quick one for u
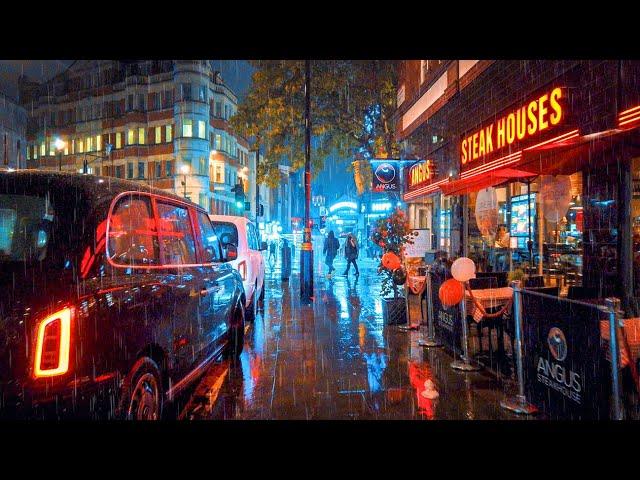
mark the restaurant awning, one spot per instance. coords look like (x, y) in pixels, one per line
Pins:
(564, 157)
(476, 183)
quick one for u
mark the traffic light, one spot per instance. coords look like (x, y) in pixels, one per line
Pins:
(239, 191)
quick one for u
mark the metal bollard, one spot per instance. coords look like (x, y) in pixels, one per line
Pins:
(613, 307)
(430, 341)
(518, 404)
(465, 365)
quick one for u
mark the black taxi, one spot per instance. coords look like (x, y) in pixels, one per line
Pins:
(114, 296)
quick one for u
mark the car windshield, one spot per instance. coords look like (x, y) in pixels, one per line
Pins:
(25, 228)
(227, 232)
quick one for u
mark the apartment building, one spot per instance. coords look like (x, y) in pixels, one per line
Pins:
(162, 122)
(13, 124)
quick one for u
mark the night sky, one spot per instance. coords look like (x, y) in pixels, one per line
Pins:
(236, 73)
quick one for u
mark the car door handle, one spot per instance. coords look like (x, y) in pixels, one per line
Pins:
(208, 291)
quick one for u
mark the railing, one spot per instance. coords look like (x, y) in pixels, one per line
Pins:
(560, 364)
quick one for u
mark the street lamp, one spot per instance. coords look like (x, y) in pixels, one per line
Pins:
(59, 145)
(184, 169)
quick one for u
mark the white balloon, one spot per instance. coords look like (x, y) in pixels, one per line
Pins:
(463, 269)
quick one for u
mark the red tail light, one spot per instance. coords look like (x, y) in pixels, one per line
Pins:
(53, 345)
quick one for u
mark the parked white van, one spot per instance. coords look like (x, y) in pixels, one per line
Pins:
(244, 234)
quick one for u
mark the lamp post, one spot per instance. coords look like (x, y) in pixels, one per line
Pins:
(184, 169)
(306, 250)
(60, 145)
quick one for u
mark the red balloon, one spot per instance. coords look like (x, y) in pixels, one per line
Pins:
(391, 261)
(451, 292)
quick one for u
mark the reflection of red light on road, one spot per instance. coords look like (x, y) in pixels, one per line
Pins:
(418, 375)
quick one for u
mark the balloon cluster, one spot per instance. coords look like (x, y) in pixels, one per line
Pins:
(452, 291)
(392, 262)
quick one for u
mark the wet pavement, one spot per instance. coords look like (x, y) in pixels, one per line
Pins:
(338, 360)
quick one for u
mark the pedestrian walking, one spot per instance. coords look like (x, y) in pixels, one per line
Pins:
(351, 254)
(330, 250)
(272, 251)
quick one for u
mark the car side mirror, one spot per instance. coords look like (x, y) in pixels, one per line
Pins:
(263, 246)
(230, 252)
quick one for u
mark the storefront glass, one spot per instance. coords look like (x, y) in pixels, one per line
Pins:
(499, 229)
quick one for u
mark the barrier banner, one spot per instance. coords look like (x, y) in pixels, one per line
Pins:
(446, 319)
(566, 375)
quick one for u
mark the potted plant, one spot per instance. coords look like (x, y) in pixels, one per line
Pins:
(392, 234)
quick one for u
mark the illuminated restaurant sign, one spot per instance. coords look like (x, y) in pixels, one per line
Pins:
(526, 122)
(421, 174)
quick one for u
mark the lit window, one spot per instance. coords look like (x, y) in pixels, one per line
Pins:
(42, 149)
(28, 153)
(141, 136)
(201, 129)
(73, 146)
(89, 144)
(187, 127)
(119, 140)
(52, 148)
(158, 131)
(80, 146)
(98, 142)
(169, 133)
(130, 137)
(218, 144)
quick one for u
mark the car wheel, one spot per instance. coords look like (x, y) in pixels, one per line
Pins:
(141, 396)
(252, 309)
(236, 332)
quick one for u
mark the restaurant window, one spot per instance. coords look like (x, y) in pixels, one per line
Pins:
(444, 223)
(635, 234)
(187, 127)
(133, 238)
(158, 134)
(177, 245)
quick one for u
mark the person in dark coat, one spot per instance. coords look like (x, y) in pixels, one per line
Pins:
(351, 254)
(330, 250)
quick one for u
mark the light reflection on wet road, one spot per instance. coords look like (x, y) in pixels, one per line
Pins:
(337, 360)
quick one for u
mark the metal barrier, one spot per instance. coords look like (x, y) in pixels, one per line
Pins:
(520, 404)
(465, 364)
(431, 340)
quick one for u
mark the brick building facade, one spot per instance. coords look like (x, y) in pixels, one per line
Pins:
(166, 122)
(447, 107)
